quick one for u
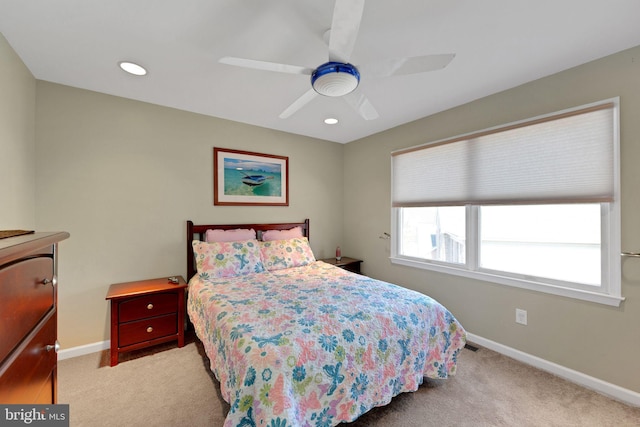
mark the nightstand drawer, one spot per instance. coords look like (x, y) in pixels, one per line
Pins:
(147, 329)
(148, 306)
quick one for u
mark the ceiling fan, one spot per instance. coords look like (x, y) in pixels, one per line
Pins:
(339, 78)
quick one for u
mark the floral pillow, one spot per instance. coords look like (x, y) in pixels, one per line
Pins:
(227, 259)
(279, 254)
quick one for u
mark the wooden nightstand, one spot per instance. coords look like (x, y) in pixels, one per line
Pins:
(349, 264)
(146, 313)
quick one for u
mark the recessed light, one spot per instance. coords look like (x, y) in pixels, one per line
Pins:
(132, 68)
(331, 121)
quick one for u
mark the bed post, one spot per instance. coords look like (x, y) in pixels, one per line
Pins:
(190, 269)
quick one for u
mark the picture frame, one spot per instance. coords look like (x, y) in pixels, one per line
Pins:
(244, 178)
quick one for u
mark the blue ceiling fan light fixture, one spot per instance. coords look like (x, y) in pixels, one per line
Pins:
(335, 79)
(338, 78)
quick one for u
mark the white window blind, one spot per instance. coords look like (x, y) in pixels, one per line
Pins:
(562, 158)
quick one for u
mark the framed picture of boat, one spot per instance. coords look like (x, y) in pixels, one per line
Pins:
(251, 179)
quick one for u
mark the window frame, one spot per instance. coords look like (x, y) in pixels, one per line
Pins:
(608, 293)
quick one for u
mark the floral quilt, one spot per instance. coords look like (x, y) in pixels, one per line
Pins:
(316, 345)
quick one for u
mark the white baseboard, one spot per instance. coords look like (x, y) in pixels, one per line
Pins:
(625, 395)
(84, 349)
(619, 393)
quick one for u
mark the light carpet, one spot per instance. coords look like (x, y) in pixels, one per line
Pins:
(170, 386)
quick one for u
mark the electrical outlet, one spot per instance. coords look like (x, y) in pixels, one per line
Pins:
(521, 316)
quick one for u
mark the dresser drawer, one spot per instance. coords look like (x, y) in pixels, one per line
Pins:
(25, 298)
(27, 376)
(147, 329)
(148, 306)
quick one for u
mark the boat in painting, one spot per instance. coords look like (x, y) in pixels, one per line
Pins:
(254, 180)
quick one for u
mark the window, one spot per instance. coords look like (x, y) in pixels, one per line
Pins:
(434, 233)
(533, 204)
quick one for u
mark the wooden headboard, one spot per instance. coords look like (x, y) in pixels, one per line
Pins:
(197, 232)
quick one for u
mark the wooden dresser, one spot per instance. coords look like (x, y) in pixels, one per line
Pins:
(28, 315)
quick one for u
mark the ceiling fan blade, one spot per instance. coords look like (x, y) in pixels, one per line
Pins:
(263, 65)
(307, 97)
(347, 15)
(403, 66)
(362, 105)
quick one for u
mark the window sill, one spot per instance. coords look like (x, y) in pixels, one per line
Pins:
(595, 297)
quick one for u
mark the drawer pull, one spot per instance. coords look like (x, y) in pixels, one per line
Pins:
(149, 329)
(55, 347)
(149, 306)
(46, 281)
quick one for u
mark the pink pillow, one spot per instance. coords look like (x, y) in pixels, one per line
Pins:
(293, 233)
(230, 235)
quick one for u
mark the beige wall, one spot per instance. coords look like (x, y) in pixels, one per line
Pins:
(124, 176)
(598, 340)
(17, 141)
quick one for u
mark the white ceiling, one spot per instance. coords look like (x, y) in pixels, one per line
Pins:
(498, 44)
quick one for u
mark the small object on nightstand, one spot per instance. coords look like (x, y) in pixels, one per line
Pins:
(146, 313)
(346, 263)
(338, 253)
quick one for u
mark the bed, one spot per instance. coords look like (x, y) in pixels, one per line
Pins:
(298, 342)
